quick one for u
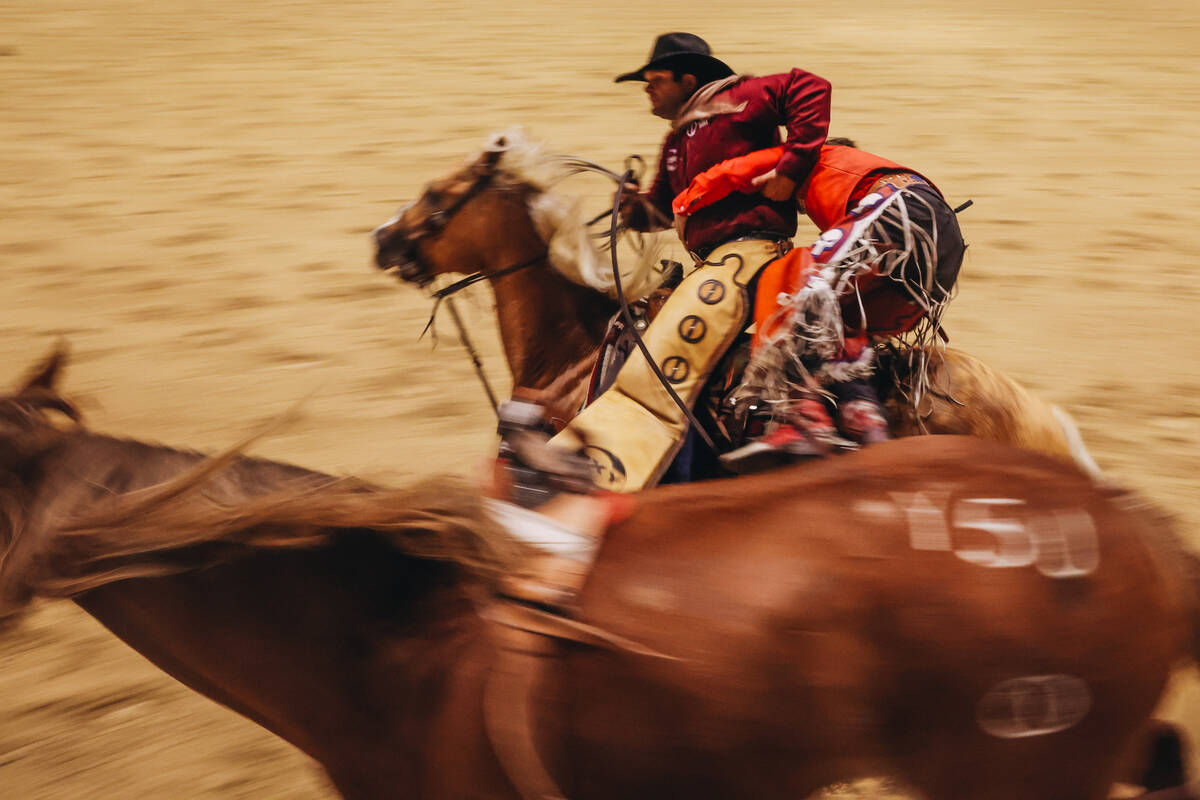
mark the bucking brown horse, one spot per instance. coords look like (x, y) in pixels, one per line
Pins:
(501, 218)
(974, 620)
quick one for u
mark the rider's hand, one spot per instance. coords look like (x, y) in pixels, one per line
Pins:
(681, 221)
(631, 199)
(775, 186)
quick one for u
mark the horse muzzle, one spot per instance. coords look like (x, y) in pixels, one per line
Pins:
(398, 256)
(406, 269)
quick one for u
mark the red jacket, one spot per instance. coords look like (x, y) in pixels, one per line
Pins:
(799, 101)
(841, 178)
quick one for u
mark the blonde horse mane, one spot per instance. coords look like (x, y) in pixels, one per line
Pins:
(558, 218)
(966, 396)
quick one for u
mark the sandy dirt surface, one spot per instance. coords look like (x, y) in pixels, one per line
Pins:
(186, 191)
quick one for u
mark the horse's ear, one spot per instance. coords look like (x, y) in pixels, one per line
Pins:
(44, 375)
(494, 150)
(488, 159)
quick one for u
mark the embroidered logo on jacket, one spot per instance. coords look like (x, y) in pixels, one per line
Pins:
(672, 159)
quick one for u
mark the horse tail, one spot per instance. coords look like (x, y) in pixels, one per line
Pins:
(1159, 757)
(1079, 450)
(1190, 564)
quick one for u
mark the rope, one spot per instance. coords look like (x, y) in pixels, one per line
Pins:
(444, 295)
(627, 315)
(475, 360)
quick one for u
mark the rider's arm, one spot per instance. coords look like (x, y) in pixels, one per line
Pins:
(801, 102)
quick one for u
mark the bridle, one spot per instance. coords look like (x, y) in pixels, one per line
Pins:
(409, 267)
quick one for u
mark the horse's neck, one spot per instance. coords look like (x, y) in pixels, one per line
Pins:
(309, 643)
(325, 648)
(88, 467)
(81, 470)
(548, 324)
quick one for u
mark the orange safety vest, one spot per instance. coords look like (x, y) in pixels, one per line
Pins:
(826, 195)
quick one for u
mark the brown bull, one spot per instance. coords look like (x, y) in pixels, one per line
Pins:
(980, 622)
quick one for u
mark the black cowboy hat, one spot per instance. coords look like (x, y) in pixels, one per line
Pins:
(674, 45)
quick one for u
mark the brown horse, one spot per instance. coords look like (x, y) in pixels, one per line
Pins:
(981, 622)
(498, 212)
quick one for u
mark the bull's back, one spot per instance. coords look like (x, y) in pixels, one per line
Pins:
(927, 590)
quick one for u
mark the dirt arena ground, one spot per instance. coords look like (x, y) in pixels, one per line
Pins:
(186, 191)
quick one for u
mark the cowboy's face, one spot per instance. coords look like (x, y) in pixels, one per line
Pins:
(668, 95)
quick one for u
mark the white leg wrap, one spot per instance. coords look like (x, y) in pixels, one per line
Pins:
(541, 532)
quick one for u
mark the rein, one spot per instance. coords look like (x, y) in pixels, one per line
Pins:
(574, 166)
(627, 315)
(476, 277)
(634, 167)
(446, 293)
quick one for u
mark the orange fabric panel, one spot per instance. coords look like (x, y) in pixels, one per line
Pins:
(890, 311)
(786, 274)
(831, 184)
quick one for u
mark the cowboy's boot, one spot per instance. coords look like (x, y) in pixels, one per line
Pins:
(545, 497)
(803, 430)
(533, 472)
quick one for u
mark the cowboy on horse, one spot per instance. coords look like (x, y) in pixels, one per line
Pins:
(885, 265)
(636, 427)
(890, 243)
(887, 260)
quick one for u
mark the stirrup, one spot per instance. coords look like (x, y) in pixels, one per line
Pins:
(550, 583)
(565, 535)
(536, 469)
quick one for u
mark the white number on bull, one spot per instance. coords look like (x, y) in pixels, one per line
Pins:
(1059, 543)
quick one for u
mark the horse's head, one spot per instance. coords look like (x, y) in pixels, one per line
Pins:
(462, 217)
(26, 430)
(497, 213)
